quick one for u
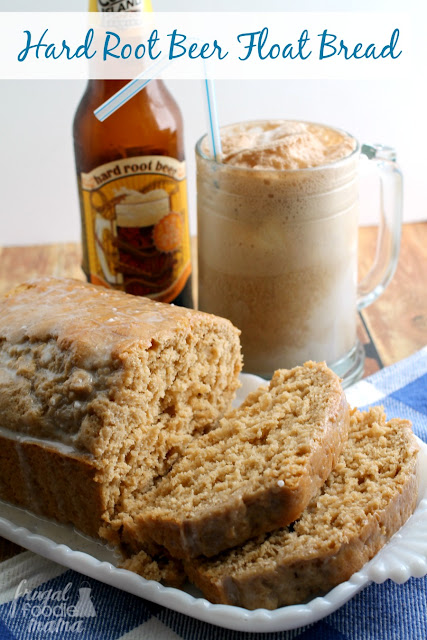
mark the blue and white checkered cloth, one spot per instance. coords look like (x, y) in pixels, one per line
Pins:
(381, 612)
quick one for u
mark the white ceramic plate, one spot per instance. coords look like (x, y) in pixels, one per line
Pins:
(404, 556)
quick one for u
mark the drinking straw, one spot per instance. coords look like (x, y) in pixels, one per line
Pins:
(213, 126)
(134, 86)
(130, 89)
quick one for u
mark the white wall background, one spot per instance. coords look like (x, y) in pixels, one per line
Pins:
(37, 179)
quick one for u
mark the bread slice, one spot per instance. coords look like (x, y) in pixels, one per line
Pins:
(366, 499)
(99, 393)
(257, 471)
(161, 568)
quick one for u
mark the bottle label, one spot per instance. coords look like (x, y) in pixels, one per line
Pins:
(120, 5)
(136, 226)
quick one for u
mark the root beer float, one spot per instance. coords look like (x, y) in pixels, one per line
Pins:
(277, 233)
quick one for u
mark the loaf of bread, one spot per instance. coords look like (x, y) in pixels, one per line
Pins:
(254, 473)
(100, 392)
(365, 500)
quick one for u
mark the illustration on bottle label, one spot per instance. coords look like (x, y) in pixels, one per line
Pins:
(136, 226)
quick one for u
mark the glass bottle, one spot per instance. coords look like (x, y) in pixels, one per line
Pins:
(132, 188)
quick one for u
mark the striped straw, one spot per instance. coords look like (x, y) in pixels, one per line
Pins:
(130, 89)
(213, 126)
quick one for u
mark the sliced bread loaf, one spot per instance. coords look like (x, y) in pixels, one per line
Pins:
(254, 473)
(99, 391)
(365, 500)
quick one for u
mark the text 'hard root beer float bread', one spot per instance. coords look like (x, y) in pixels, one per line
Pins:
(366, 499)
(255, 472)
(100, 392)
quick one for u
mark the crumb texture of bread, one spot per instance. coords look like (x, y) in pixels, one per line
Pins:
(166, 570)
(365, 500)
(124, 381)
(255, 472)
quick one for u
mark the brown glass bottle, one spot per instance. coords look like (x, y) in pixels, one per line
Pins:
(114, 153)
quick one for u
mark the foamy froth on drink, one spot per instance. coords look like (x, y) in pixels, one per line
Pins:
(277, 227)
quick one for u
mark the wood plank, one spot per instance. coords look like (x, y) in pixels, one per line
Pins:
(18, 264)
(397, 321)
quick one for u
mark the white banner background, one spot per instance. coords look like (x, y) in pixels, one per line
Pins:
(284, 31)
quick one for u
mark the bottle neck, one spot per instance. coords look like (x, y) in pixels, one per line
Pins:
(116, 6)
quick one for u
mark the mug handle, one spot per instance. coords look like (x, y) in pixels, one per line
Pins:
(390, 227)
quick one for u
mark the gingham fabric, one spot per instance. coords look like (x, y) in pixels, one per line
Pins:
(380, 612)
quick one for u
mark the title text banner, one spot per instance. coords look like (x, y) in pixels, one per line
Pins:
(192, 45)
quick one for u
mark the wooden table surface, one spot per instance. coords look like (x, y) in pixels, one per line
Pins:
(397, 321)
(394, 327)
